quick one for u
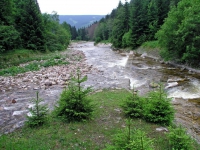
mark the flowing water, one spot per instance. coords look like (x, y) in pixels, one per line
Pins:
(138, 72)
(127, 71)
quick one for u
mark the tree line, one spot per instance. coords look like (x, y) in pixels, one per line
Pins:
(23, 26)
(173, 23)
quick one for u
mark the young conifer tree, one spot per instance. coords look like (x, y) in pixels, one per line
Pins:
(74, 105)
(38, 113)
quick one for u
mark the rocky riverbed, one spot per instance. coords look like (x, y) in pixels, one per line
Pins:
(16, 92)
(105, 68)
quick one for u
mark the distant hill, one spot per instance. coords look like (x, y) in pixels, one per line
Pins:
(80, 21)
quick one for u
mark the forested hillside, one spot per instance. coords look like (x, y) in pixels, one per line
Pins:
(174, 23)
(22, 26)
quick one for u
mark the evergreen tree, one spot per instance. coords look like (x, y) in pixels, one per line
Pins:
(6, 15)
(179, 35)
(163, 7)
(138, 22)
(120, 26)
(32, 26)
(152, 15)
(74, 105)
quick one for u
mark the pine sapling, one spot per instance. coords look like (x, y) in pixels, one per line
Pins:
(38, 113)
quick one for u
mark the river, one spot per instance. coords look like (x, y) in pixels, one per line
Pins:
(125, 70)
(111, 70)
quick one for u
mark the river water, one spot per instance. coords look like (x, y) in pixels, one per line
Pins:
(114, 70)
(139, 72)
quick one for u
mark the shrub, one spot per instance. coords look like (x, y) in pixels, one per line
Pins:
(74, 104)
(179, 140)
(158, 108)
(38, 113)
(131, 140)
(133, 106)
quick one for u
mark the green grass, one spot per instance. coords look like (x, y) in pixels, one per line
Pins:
(151, 44)
(10, 61)
(108, 120)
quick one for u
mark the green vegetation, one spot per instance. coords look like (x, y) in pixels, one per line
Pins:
(21, 61)
(179, 35)
(38, 113)
(174, 23)
(107, 125)
(22, 26)
(179, 139)
(133, 23)
(151, 45)
(74, 105)
(155, 107)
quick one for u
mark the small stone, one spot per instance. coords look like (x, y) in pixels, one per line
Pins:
(171, 84)
(36, 88)
(154, 85)
(48, 83)
(18, 113)
(162, 129)
(25, 80)
(13, 101)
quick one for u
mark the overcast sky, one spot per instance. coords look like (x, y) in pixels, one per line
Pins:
(78, 7)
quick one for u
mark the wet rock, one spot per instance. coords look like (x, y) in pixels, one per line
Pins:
(36, 88)
(123, 54)
(18, 125)
(48, 83)
(13, 101)
(171, 84)
(19, 113)
(162, 129)
(195, 100)
(154, 85)
(196, 116)
(144, 55)
(196, 128)
(177, 80)
(25, 80)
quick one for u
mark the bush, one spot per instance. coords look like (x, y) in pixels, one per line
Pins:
(131, 140)
(74, 104)
(38, 114)
(158, 108)
(179, 140)
(133, 106)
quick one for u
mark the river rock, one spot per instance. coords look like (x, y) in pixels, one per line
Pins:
(177, 80)
(172, 84)
(123, 54)
(144, 55)
(196, 116)
(19, 113)
(162, 129)
(48, 83)
(154, 85)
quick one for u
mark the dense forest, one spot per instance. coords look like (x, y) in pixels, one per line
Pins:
(175, 24)
(23, 26)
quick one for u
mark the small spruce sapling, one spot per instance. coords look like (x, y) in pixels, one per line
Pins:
(158, 108)
(38, 113)
(178, 139)
(74, 104)
(131, 140)
(133, 106)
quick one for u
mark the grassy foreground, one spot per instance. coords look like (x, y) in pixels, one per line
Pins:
(95, 134)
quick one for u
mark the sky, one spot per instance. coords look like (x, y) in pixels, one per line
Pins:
(78, 7)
